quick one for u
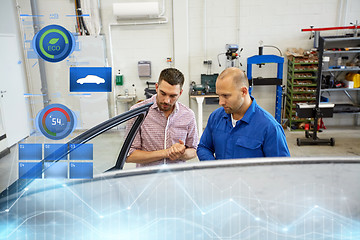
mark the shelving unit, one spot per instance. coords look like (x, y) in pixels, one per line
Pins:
(301, 87)
(329, 45)
(337, 72)
(341, 70)
(349, 109)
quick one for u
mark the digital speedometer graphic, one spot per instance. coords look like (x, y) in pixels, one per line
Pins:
(56, 121)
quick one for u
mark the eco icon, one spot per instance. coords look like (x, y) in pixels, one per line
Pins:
(53, 43)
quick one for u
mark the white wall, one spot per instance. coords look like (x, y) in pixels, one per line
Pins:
(152, 42)
(133, 43)
(13, 77)
(198, 30)
(278, 22)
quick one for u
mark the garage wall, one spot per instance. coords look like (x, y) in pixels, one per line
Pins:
(127, 42)
(201, 29)
(134, 40)
(279, 22)
(13, 105)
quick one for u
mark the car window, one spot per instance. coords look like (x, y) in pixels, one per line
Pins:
(106, 147)
(83, 156)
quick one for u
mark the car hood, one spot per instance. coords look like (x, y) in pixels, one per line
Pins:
(280, 198)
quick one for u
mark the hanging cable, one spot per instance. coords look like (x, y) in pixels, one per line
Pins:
(77, 19)
(218, 58)
(86, 31)
(274, 47)
(80, 19)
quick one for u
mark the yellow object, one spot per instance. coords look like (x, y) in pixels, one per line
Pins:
(355, 77)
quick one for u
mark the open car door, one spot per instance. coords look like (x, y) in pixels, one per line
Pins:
(133, 119)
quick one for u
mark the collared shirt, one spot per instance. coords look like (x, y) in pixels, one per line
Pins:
(180, 124)
(257, 134)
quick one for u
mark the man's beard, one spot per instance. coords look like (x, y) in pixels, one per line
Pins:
(164, 106)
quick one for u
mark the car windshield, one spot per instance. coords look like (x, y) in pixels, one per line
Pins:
(234, 199)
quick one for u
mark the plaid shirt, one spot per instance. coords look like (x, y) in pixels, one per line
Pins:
(180, 124)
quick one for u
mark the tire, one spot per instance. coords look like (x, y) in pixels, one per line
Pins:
(298, 141)
(332, 141)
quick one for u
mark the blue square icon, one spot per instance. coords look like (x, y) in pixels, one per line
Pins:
(81, 152)
(54, 151)
(30, 170)
(30, 151)
(81, 170)
(90, 79)
(55, 169)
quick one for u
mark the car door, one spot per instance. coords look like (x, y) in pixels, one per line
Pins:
(80, 151)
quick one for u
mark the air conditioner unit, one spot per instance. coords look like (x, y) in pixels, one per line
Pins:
(136, 10)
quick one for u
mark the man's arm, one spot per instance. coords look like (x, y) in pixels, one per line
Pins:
(192, 140)
(180, 151)
(175, 152)
(143, 157)
(184, 153)
(189, 153)
(205, 149)
(275, 144)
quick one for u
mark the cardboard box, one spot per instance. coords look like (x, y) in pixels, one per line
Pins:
(348, 84)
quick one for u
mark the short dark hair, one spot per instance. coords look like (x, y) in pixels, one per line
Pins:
(172, 76)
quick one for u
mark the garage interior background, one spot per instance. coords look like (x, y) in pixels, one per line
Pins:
(189, 32)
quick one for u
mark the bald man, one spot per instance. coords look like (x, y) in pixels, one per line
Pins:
(241, 128)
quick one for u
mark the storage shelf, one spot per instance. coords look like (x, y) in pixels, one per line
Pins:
(341, 70)
(301, 85)
(292, 94)
(292, 68)
(340, 43)
(339, 89)
(356, 113)
(301, 120)
(304, 78)
(304, 99)
(304, 92)
(304, 70)
(303, 63)
(340, 52)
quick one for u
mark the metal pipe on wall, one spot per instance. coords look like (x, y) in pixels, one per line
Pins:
(29, 87)
(161, 20)
(36, 25)
(163, 9)
(205, 33)
(100, 17)
(165, 20)
(342, 14)
(172, 34)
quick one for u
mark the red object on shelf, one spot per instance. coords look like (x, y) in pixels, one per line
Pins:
(322, 125)
(328, 28)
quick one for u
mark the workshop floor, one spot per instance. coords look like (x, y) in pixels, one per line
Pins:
(107, 145)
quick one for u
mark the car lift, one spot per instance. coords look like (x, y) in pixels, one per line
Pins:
(260, 60)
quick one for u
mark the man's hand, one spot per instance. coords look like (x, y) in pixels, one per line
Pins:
(176, 150)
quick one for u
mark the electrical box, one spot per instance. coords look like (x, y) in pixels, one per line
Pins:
(209, 82)
(119, 79)
(144, 68)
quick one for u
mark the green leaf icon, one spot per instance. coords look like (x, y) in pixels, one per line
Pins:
(53, 41)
